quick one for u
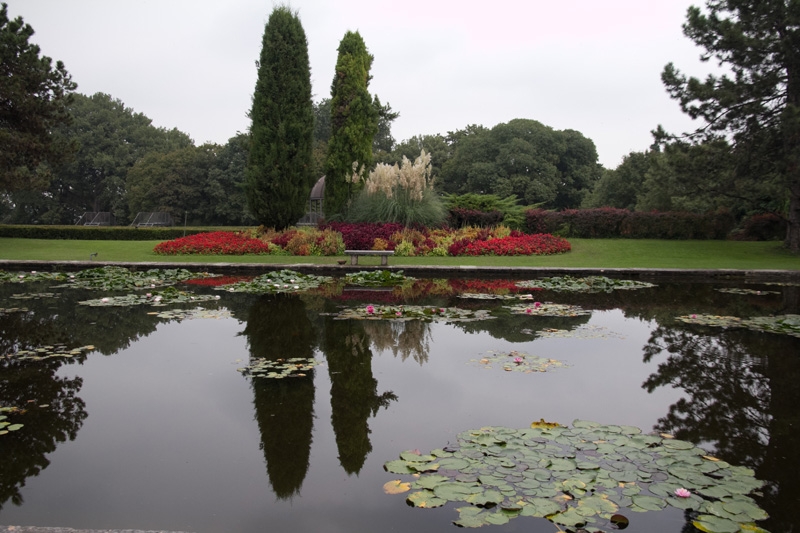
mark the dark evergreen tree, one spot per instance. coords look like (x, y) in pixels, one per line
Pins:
(33, 101)
(279, 173)
(756, 103)
(354, 124)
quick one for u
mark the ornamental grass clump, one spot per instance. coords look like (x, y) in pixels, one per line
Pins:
(400, 193)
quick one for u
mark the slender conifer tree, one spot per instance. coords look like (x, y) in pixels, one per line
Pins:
(279, 168)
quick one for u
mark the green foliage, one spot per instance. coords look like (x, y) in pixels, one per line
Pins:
(95, 233)
(756, 103)
(619, 187)
(354, 124)
(279, 168)
(513, 213)
(35, 94)
(523, 158)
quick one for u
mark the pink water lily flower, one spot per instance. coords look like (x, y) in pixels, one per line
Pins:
(528, 310)
(694, 316)
(537, 305)
(518, 360)
(370, 309)
(682, 493)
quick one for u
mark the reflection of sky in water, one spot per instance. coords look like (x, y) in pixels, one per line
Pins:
(171, 440)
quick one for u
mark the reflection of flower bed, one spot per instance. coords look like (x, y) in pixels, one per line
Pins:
(487, 286)
(217, 281)
(579, 478)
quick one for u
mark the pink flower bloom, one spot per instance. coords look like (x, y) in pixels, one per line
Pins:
(370, 309)
(694, 316)
(518, 360)
(528, 310)
(537, 305)
(399, 313)
(682, 493)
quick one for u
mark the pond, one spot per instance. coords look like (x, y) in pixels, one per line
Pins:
(124, 413)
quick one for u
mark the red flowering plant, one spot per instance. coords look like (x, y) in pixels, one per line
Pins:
(515, 244)
(213, 243)
(218, 280)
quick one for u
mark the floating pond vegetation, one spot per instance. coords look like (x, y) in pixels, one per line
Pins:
(515, 361)
(748, 292)
(9, 310)
(170, 295)
(484, 296)
(587, 284)
(411, 312)
(589, 477)
(5, 425)
(27, 277)
(275, 282)
(193, 314)
(377, 278)
(113, 278)
(548, 309)
(584, 331)
(295, 367)
(34, 295)
(782, 324)
(49, 352)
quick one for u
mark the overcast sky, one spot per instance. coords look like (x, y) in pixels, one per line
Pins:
(589, 65)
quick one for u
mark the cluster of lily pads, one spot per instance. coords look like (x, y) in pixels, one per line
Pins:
(584, 331)
(49, 352)
(548, 309)
(377, 278)
(294, 367)
(5, 425)
(169, 295)
(282, 281)
(515, 361)
(588, 477)
(585, 284)
(747, 292)
(411, 312)
(192, 314)
(28, 277)
(781, 324)
(9, 310)
(113, 278)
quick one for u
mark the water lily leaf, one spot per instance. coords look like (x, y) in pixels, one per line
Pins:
(570, 517)
(398, 467)
(456, 491)
(396, 486)
(715, 524)
(540, 507)
(425, 499)
(14, 427)
(429, 481)
(471, 517)
(486, 498)
(745, 508)
(619, 521)
(596, 505)
(650, 503)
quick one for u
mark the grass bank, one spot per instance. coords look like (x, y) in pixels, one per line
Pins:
(586, 253)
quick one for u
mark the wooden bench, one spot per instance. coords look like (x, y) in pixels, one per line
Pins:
(384, 255)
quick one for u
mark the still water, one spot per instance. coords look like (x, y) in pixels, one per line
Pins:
(155, 429)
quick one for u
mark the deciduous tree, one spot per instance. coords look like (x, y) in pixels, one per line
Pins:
(34, 95)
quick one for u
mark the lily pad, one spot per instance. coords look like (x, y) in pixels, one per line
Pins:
(377, 278)
(282, 281)
(548, 309)
(50, 351)
(166, 296)
(781, 324)
(113, 278)
(411, 312)
(585, 284)
(514, 361)
(579, 477)
(294, 367)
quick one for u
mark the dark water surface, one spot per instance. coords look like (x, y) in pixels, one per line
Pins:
(156, 429)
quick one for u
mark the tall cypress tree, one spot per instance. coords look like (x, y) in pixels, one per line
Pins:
(354, 123)
(279, 168)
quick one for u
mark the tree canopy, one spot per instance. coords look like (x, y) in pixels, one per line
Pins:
(524, 158)
(280, 165)
(34, 95)
(354, 124)
(755, 103)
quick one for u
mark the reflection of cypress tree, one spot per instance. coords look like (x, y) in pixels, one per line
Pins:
(29, 385)
(743, 395)
(278, 328)
(353, 390)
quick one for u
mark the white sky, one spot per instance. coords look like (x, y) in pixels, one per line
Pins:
(589, 65)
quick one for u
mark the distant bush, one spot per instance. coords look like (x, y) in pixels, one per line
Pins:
(609, 222)
(762, 227)
(483, 210)
(98, 233)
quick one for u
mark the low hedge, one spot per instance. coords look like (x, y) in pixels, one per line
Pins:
(610, 222)
(97, 233)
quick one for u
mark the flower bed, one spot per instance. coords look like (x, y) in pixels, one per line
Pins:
(214, 243)
(334, 238)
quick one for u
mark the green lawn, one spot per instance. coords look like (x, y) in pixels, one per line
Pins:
(588, 253)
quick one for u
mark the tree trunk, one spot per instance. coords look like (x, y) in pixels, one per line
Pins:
(792, 241)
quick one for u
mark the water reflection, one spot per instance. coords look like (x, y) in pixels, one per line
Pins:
(403, 338)
(277, 327)
(742, 391)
